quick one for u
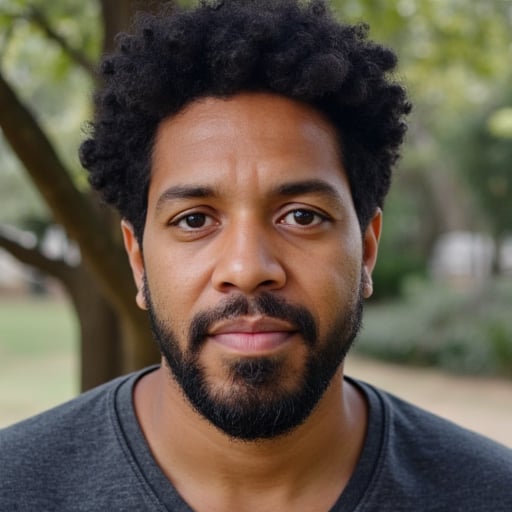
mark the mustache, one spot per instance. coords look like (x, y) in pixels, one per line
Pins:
(265, 304)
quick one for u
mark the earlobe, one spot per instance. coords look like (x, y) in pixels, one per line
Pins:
(134, 252)
(370, 251)
(140, 298)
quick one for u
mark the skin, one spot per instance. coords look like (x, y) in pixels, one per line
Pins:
(244, 238)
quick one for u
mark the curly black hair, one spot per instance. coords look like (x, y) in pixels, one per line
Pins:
(292, 48)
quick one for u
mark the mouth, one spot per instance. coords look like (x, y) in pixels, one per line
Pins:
(252, 335)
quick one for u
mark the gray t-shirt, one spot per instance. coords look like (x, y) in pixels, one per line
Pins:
(90, 455)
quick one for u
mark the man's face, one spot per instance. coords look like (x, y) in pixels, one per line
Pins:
(253, 267)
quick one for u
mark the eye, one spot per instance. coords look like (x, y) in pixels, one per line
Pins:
(193, 221)
(303, 217)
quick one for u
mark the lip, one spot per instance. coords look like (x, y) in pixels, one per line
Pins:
(252, 335)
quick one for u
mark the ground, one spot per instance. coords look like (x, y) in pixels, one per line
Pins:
(480, 404)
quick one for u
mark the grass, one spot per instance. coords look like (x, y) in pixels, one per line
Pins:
(38, 356)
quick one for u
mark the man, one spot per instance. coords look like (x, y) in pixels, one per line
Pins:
(248, 147)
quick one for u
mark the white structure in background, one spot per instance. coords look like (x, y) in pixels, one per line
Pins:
(57, 246)
(13, 275)
(465, 256)
(506, 256)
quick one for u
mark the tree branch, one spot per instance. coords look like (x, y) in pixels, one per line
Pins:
(70, 208)
(36, 16)
(118, 16)
(30, 255)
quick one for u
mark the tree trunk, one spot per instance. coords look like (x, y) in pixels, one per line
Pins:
(100, 348)
(118, 16)
(111, 342)
(115, 334)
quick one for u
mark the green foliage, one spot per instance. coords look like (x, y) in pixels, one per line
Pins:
(49, 80)
(393, 269)
(485, 154)
(403, 248)
(438, 39)
(19, 199)
(454, 56)
(435, 325)
(500, 123)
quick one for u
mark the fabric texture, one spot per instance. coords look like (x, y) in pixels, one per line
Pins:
(90, 455)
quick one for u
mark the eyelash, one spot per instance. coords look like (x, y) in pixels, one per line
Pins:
(183, 218)
(318, 218)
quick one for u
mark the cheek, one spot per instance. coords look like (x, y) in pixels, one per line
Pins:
(176, 286)
(334, 286)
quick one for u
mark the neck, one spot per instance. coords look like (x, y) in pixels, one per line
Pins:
(316, 459)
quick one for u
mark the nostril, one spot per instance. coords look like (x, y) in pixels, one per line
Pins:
(247, 263)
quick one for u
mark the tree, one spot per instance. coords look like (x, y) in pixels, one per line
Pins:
(452, 56)
(114, 333)
(487, 160)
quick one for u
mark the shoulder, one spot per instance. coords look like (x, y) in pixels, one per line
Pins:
(438, 462)
(433, 436)
(63, 448)
(60, 423)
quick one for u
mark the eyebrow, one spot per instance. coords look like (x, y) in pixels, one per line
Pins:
(285, 189)
(183, 192)
(308, 187)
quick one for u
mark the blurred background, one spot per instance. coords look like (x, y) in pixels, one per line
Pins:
(438, 330)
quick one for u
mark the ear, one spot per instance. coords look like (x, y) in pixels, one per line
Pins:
(370, 249)
(136, 260)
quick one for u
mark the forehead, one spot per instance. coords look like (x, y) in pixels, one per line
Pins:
(254, 135)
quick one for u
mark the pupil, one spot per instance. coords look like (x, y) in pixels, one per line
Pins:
(303, 217)
(196, 220)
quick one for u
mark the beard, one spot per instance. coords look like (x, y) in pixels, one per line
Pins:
(257, 405)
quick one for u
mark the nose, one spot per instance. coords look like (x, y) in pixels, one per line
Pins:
(248, 262)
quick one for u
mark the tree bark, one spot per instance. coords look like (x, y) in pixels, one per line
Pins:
(115, 334)
(100, 348)
(37, 16)
(118, 16)
(75, 212)
(69, 207)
